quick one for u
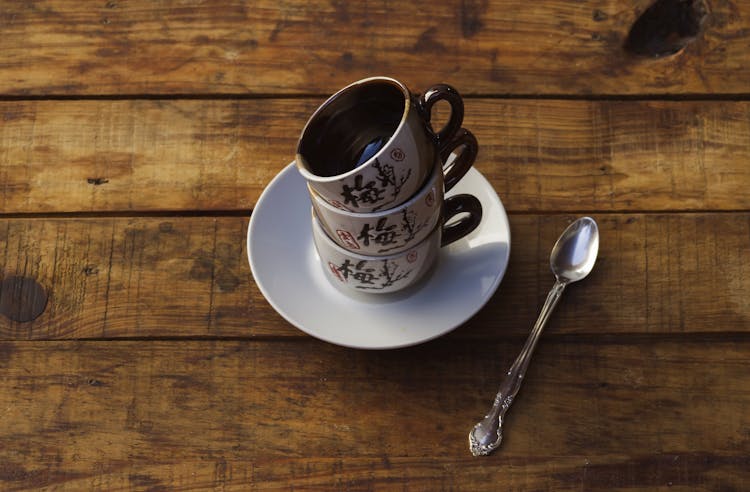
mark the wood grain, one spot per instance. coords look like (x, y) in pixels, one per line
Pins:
(112, 277)
(183, 415)
(488, 47)
(540, 155)
(138, 353)
(189, 277)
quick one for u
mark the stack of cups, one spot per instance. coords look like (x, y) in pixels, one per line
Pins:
(377, 174)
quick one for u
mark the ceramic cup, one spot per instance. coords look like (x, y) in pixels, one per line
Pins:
(371, 146)
(391, 231)
(350, 271)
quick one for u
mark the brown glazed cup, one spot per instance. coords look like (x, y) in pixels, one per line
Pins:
(371, 145)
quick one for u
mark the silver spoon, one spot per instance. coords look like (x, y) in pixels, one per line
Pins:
(572, 258)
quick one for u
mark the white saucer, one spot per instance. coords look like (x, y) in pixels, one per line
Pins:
(286, 268)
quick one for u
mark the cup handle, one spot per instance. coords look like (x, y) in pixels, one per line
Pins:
(443, 92)
(456, 169)
(455, 205)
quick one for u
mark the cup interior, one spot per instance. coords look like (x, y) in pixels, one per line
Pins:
(352, 127)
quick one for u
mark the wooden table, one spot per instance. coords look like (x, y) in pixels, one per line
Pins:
(136, 138)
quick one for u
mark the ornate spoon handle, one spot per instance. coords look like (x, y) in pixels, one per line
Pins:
(486, 435)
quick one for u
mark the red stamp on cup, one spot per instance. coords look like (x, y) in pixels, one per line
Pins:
(397, 154)
(430, 198)
(335, 271)
(412, 257)
(347, 238)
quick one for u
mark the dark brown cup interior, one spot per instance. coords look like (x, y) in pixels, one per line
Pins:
(351, 127)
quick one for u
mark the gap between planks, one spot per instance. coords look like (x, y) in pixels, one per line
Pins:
(246, 213)
(687, 97)
(634, 338)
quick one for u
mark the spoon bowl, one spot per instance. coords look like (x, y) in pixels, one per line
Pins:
(574, 254)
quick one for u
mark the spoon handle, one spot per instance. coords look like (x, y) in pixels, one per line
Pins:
(486, 435)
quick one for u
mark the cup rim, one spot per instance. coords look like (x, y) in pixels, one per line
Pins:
(299, 159)
(435, 177)
(321, 232)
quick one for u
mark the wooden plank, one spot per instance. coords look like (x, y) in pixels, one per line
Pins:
(189, 277)
(202, 414)
(670, 273)
(143, 155)
(494, 46)
(540, 155)
(133, 276)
